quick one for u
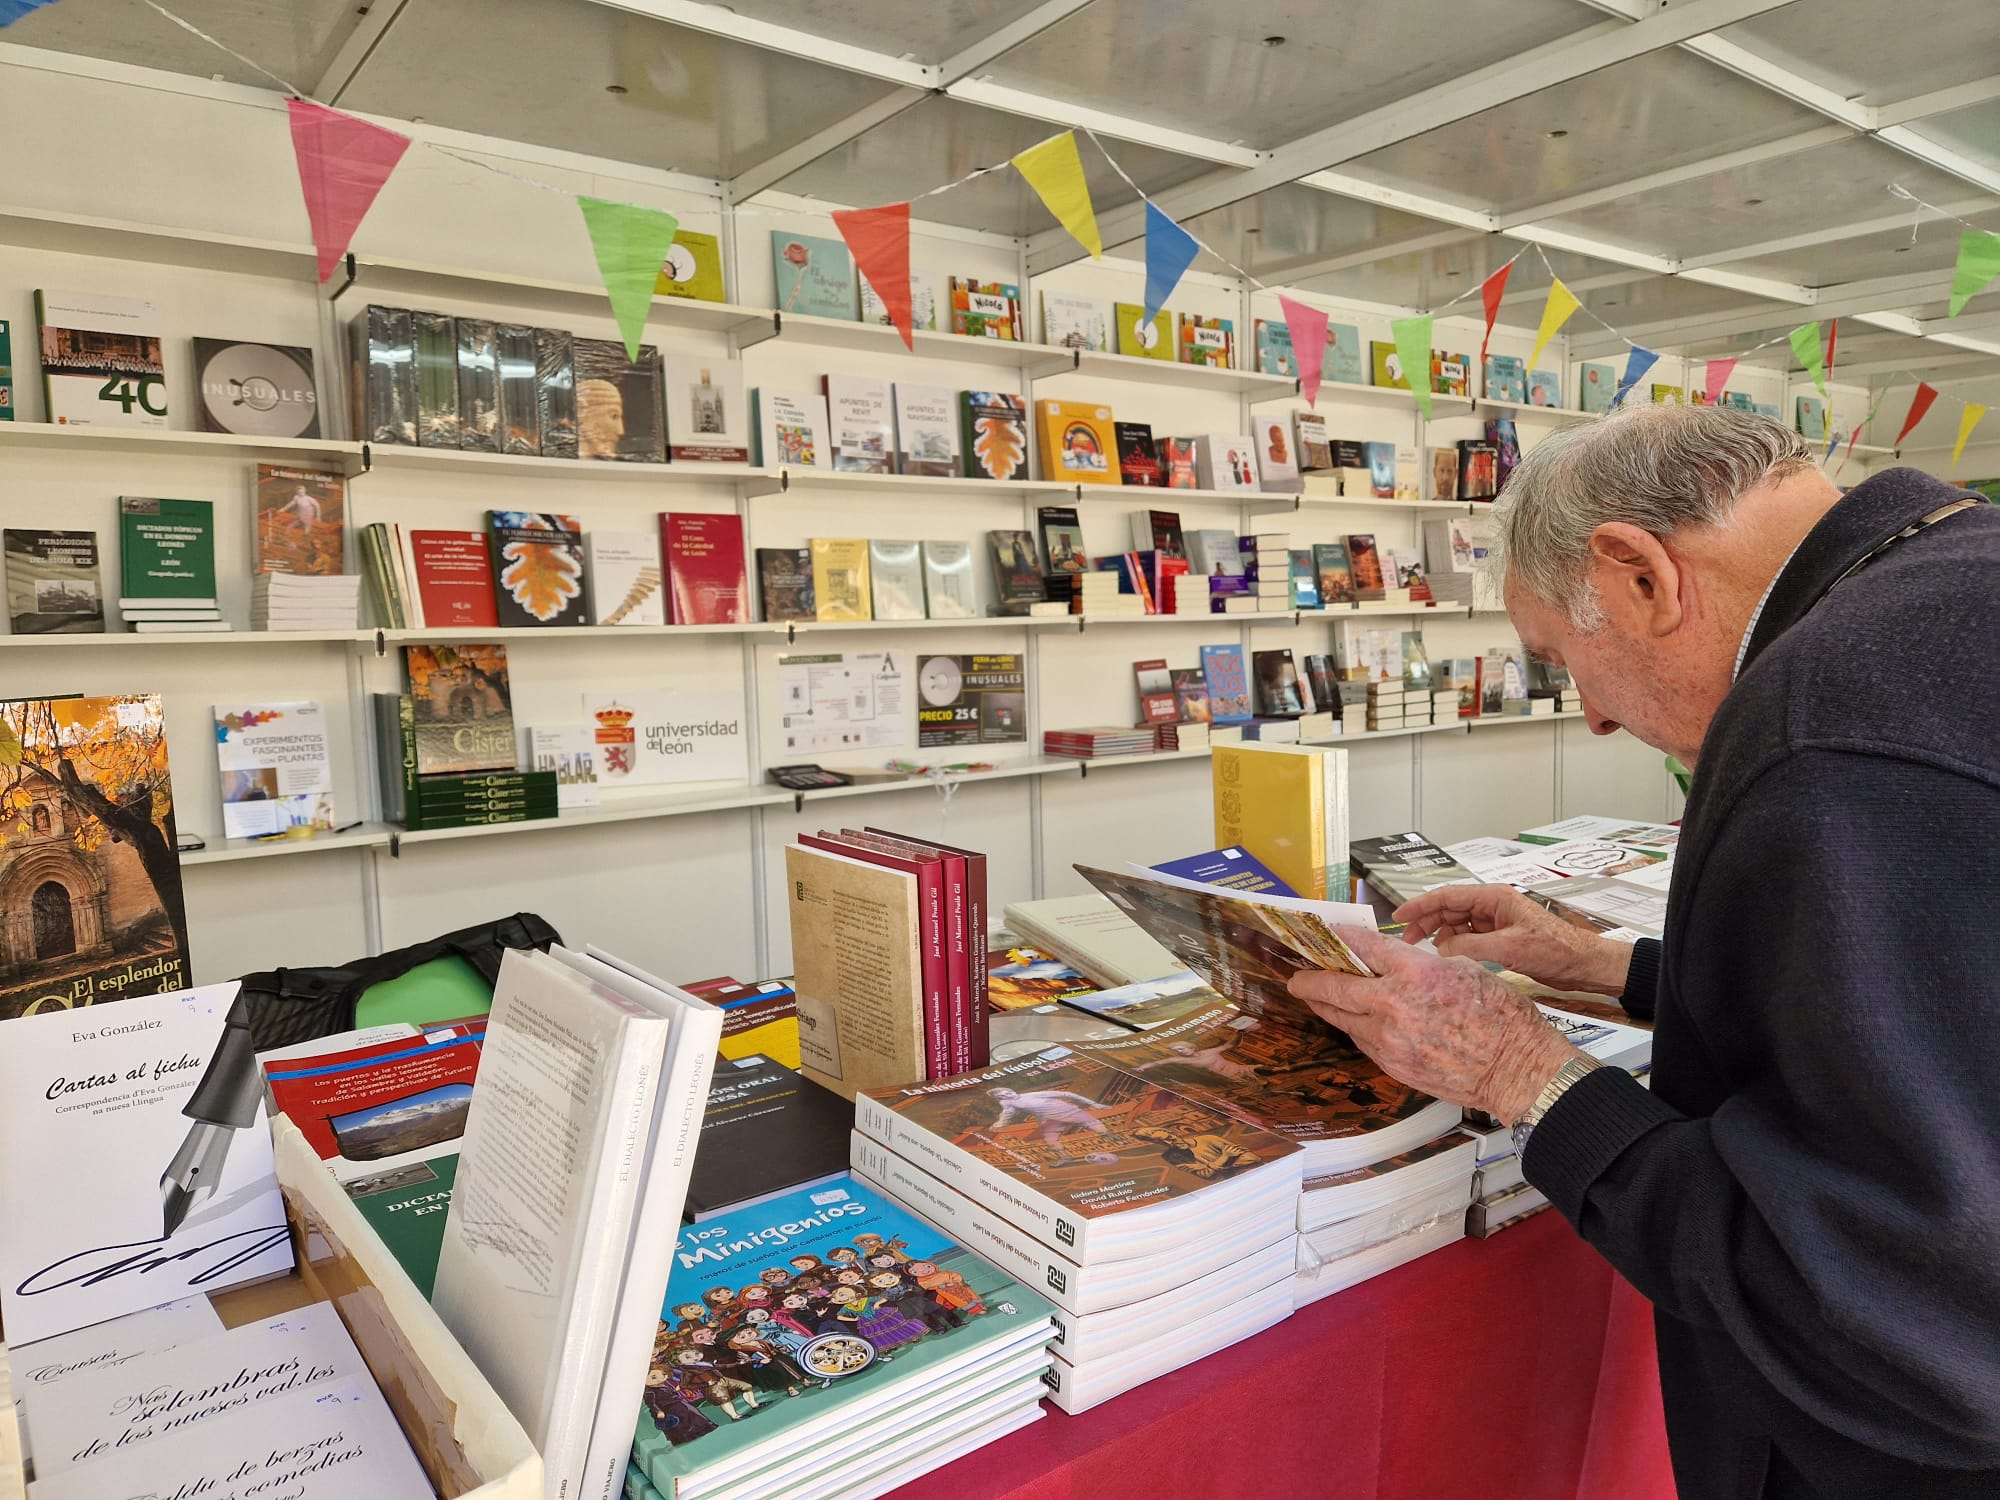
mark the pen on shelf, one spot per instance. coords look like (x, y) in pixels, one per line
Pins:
(348, 827)
(229, 1098)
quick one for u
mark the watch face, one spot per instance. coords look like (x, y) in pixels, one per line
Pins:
(939, 681)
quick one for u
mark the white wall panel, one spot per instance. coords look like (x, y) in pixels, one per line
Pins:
(1493, 779)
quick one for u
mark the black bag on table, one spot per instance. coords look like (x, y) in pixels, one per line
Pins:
(288, 1006)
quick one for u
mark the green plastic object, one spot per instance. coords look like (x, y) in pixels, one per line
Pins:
(445, 989)
(1680, 774)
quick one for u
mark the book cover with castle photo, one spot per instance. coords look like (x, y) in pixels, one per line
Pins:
(464, 714)
(90, 883)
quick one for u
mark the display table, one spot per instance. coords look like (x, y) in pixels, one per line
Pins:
(1520, 1366)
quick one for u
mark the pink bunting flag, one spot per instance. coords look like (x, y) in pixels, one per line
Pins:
(1920, 405)
(343, 162)
(1719, 371)
(1490, 292)
(880, 240)
(1307, 326)
(1832, 336)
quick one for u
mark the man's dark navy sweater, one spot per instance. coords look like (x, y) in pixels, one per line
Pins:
(1810, 1195)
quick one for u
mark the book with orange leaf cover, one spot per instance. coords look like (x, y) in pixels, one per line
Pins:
(994, 426)
(537, 568)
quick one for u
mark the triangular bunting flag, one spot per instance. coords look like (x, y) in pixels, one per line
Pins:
(1307, 326)
(12, 11)
(1637, 363)
(1832, 441)
(880, 240)
(1966, 422)
(631, 244)
(1805, 345)
(1413, 348)
(1920, 405)
(1978, 264)
(1055, 171)
(1832, 336)
(343, 162)
(1491, 290)
(1854, 436)
(1170, 250)
(1719, 371)
(1562, 302)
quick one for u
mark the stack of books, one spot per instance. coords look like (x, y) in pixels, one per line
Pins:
(166, 616)
(1392, 706)
(305, 601)
(1181, 736)
(1360, 1223)
(1104, 1189)
(1098, 594)
(1267, 570)
(1098, 741)
(448, 799)
(827, 1342)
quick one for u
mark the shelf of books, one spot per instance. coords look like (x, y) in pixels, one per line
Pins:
(966, 622)
(1488, 722)
(191, 638)
(1095, 365)
(1268, 503)
(398, 456)
(623, 810)
(402, 277)
(155, 442)
(1035, 360)
(1398, 397)
(1221, 621)
(158, 244)
(839, 482)
(1136, 492)
(571, 633)
(1519, 409)
(223, 851)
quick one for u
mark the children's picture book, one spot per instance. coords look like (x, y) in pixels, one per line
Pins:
(537, 568)
(1072, 322)
(1207, 341)
(463, 708)
(1506, 378)
(1600, 384)
(923, 303)
(1228, 684)
(53, 585)
(994, 427)
(1664, 393)
(1142, 339)
(1545, 388)
(301, 521)
(1344, 357)
(1810, 418)
(986, 309)
(788, 1322)
(814, 275)
(1078, 442)
(1274, 348)
(692, 268)
(277, 772)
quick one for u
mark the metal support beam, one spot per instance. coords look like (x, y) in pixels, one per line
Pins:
(1411, 242)
(1917, 363)
(720, 20)
(1847, 299)
(362, 40)
(1077, 115)
(1939, 102)
(1588, 51)
(1791, 145)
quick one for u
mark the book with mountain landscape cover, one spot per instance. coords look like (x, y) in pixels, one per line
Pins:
(463, 711)
(1246, 948)
(88, 867)
(52, 583)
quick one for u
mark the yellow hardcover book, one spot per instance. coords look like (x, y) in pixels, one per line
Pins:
(1143, 340)
(1076, 442)
(857, 969)
(1287, 805)
(840, 579)
(693, 268)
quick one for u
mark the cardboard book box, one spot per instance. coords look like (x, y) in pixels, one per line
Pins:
(469, 1444)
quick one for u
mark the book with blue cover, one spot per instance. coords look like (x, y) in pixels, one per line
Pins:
(1228, 684)
(1545, 388)
(789, 1323)
(1506, 378)
(814, 276)
(1234, 869)
(1600, 384)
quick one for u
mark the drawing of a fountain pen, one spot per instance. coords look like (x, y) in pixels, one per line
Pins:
(229, 1098)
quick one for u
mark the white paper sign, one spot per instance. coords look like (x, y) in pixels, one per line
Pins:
(833, 703)
(90, 1121)
(652, 738)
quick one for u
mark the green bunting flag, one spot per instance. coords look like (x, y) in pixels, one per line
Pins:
(631, 244)
(1805, 344)
(1978, 264)
(1413, 348)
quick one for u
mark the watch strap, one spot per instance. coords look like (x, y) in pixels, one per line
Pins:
(1566, 1077)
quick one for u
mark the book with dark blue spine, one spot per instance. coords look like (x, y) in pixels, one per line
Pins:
(1234, 869)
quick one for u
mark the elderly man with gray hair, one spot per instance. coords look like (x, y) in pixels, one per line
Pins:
(1810, 1193)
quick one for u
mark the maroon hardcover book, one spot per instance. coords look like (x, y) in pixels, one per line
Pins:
(928, 867)
(705, 576)
(454, 578)
(967, 938)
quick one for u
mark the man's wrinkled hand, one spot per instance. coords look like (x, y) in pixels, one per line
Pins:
(1495, 923)
(1441, 1025)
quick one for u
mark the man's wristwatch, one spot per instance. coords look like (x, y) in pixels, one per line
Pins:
(1567, 1075)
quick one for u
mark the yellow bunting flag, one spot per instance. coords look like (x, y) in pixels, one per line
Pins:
(1562, 302)
(1055, 171)
(1973, 412)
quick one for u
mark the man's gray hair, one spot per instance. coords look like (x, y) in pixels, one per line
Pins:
(1657, 467)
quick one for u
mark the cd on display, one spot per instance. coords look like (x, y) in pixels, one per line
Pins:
(258, 390)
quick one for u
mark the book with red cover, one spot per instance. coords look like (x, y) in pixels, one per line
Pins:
(971, 939)
(706, 583)
(1156, 692)
(454, 578)
(933, 927)
(1138, 460)
(960, 948)
(397, 1100)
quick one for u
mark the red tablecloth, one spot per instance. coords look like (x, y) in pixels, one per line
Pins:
(1515, 1368)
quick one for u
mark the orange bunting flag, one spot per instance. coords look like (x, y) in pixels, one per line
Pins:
(880, 240)
(1920, 405)
(1490, 292)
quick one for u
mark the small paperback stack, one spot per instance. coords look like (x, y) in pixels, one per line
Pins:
(1104, 1190)
(446, 750)
(1393, 706)
(827, 1343)
(1101, 594)
(1267, 571)
(1360, 1223)
(304, 601)
(1501, 1196)
(1179, 736)
(1099, 741)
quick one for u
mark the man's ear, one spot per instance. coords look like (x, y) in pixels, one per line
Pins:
(1638, 580)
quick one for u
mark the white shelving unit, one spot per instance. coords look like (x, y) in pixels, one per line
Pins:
(146, 443)
(395, 458)
(224, 851)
